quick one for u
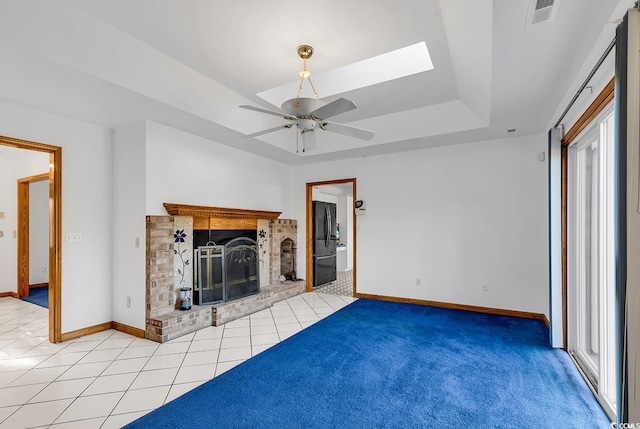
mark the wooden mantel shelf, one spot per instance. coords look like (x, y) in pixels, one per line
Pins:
(206, 211)
(205, 217)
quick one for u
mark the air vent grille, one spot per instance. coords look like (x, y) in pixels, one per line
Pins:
(541, 4)
(542, 10)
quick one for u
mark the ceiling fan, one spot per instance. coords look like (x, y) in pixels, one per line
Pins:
(311, 114)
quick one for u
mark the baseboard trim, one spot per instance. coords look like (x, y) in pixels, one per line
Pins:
(546, 321)
(9, 294)
(36, 285)
(136, 332)
(86, 331)
(477, 309)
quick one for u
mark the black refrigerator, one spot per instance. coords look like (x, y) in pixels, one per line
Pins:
(324, 242)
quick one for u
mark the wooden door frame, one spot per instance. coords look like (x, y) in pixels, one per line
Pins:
(55, 229)
(23, 230)
(309, 240)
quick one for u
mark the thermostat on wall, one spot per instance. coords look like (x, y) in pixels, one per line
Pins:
(360, 207)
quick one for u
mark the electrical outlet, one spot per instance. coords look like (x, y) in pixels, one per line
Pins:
(418, 282)
(485, 287)
(128, 301)
(45, 269)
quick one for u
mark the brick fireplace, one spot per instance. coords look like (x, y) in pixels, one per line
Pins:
(169, 244)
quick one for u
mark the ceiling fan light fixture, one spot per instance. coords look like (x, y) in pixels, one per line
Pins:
(309, 114)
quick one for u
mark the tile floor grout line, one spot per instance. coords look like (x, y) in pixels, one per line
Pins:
(179, 368)
(312, 303)
(23, 405)
(80, 395)
(95, 379)
(224, 328)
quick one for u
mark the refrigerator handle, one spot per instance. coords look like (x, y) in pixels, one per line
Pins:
(327, 225)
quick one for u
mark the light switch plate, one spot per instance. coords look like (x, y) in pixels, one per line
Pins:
(74, 237)
(1, 234)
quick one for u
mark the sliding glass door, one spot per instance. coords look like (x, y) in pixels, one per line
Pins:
(586, 294)
(591, 275)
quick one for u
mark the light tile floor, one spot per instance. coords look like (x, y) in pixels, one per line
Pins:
(343, 285)
(109, 379)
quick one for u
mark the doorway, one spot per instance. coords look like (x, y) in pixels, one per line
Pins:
(25, 234)
(55, 231)
(342, 193)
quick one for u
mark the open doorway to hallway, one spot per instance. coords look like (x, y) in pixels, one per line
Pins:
(331, 243)
(26, 162)
(33, 232)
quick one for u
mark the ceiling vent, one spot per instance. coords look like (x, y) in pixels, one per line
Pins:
(542, 10)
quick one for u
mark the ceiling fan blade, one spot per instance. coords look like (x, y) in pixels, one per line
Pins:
(309, 140)
(347, 130)
(334, 108)
(270, 112)
(270, 130)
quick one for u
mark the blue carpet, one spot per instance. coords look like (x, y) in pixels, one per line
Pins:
(38, 296)
(380, 364)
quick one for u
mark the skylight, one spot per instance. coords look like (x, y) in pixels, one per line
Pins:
(402, 62)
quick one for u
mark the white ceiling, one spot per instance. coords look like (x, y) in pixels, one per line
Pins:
(189, 64)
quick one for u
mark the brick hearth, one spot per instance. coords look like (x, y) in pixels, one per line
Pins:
(269, 295)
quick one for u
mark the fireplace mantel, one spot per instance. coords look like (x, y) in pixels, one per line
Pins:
(206, 211)
(205, 217)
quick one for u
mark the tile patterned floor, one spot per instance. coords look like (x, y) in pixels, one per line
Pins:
(342, 286)
(109, 379)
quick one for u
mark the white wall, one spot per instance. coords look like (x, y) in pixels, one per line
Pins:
(452, 216)
(86, 207)
(349, 230)
(39, 232)
(129, 225)
(342, 208)
(183, 168)
(7, 242)
(31, 165)
(10, 171)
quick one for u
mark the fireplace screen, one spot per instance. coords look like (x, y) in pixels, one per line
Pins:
(225, 273)
(208, 275)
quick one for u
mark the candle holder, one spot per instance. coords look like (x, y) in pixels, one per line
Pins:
(185, 298)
